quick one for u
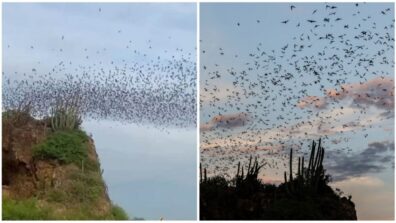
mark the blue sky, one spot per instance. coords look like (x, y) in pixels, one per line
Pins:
(226, 46)
(151, 173)
(102, 36)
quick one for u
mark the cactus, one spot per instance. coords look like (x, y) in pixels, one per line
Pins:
(65, 116)
(200, 173)
(307, 179)
(239, 165)
(250, 179)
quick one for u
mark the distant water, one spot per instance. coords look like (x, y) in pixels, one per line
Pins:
(150, 173)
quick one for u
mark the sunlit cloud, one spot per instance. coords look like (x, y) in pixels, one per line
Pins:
(378, 92)
(226, 121)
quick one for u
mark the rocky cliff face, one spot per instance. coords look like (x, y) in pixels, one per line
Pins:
(64, 190)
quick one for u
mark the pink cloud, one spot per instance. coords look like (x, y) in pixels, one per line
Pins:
(378, 92)
(318, 102)
(226, 121)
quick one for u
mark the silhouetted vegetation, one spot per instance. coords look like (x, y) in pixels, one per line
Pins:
(305, 196)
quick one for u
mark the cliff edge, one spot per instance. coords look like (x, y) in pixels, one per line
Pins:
(51, 174)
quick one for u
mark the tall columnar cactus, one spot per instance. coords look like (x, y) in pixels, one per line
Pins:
(307, 179)
(200, 173)
(251, 173)
(65, 116)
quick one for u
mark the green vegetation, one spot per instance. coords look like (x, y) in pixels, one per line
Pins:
(82, 188)
(29, 209)
(24, 210)
(118, 213)
(65, 118)
(71, 188)
(64, 146)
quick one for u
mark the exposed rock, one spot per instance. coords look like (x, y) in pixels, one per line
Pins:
(25, 177)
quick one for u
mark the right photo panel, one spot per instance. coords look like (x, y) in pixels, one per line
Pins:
(297, 111)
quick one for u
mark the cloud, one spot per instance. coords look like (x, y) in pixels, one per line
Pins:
(373, 159)
(318, 102)
(388, 114)
(226, 121)
(378, 92)
(374, 196)
(338, 121)
(367, 181)
(378, 147)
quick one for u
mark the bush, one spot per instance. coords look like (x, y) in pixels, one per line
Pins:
(64, 146)
(87, 187)
(118, 213)
(16, 118)
(23, 210)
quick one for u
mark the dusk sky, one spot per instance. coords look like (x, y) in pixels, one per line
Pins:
(271, 80)
(150, 172)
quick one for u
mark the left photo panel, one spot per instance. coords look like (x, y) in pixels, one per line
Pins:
(99, 110)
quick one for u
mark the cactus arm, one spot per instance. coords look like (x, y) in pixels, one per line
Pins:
(291, 165)
(200, 172)
(239, 165)
(298, 169)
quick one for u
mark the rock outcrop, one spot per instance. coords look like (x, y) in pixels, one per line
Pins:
(68, 190)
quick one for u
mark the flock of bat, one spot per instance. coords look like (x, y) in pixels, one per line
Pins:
(154, 90)
(275, 100)
(281, 98)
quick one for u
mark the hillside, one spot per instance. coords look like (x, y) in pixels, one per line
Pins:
(305, 195)
(51, 173)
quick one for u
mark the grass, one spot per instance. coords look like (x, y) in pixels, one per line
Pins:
(29, 209)
(65, 146)
(24, 210)
(78, 199)
(87, 187)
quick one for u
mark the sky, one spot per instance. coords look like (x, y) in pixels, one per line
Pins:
(70, 32)
(150, 172)
(255, 102)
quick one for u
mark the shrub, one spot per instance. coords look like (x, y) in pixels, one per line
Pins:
(118, 213)
(64, 146)
(16, 118)
(87, 187)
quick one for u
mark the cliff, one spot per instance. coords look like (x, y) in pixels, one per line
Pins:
(51, 174)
